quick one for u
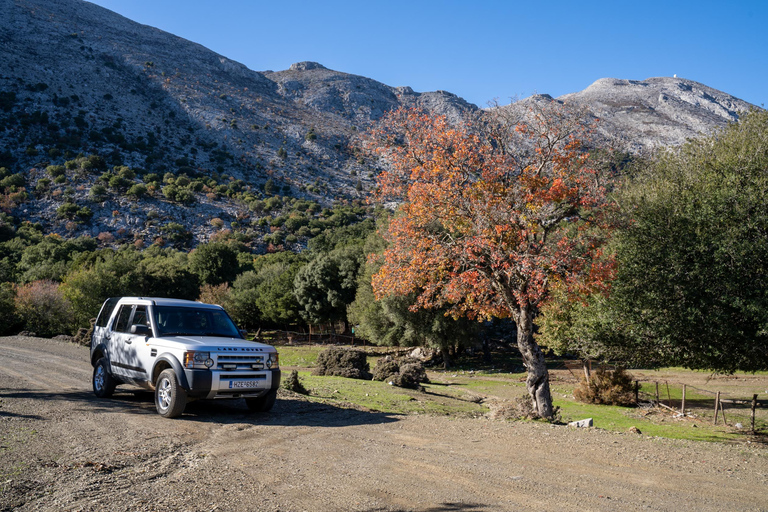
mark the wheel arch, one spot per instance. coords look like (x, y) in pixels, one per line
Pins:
(165, 361)
(99, 352)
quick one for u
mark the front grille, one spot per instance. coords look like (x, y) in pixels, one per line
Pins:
(230, 362)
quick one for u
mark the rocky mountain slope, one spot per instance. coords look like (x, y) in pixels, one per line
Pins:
(204, 135)
(641, 116)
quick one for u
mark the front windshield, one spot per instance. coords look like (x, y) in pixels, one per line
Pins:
(178, 321)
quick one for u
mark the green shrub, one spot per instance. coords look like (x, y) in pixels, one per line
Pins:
(84, 213)
(55, 170)
(98, 192)
(11, 321)
(118, 183)
(67, 211)
(43, 184)
(12, 181)
(137, 191)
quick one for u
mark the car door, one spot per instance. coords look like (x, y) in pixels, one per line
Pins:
(126, 348)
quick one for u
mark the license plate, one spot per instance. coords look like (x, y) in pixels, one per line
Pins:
(240, 384)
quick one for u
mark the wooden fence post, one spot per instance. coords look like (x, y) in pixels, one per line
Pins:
(682, 405)
(669, 397)
(717, 406)
(722, 410)
(657, 394)
(754, 406)
(637, 391)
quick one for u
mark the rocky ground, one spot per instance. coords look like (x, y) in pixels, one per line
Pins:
(63, 449)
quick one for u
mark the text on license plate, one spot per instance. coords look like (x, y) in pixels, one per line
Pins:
(237, 384)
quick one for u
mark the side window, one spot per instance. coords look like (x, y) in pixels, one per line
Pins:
(140, 317)
(121, 325)
(106, 312)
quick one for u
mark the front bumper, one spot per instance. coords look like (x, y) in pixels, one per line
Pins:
(219, 384)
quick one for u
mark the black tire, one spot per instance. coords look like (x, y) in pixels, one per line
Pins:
(170, 398)
(262, 403)
(104, 383)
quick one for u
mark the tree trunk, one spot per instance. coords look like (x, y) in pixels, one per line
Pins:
(586, 364)
(538, 376)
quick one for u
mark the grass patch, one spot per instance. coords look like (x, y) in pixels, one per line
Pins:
(457, 392)
(299, 356)
(661, 424)
(381, 397)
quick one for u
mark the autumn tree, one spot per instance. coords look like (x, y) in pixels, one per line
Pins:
(491, 213)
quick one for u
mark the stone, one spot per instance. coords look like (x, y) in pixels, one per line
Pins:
(581, 423)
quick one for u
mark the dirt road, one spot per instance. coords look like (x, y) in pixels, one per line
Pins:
(61, 448)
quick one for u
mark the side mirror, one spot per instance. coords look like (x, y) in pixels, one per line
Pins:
(243, 334)
(141, 330)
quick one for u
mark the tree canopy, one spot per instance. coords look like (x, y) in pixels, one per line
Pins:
(692, 283)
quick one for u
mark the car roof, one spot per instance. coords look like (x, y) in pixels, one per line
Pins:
(164, 301)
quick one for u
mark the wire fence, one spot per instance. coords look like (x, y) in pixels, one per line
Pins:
(324, 337)
(739, 410)
(733, 409)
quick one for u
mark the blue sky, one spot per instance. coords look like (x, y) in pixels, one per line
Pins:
(484, 49)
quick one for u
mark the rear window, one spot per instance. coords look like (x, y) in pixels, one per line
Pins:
(106, 311)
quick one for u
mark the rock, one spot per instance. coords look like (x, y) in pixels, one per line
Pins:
(306, 66)
(739, 426)
(634, 430)
(581, 423)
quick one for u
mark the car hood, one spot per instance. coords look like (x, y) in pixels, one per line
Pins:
(215, 343)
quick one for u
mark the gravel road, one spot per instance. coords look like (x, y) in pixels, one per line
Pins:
(61, 448)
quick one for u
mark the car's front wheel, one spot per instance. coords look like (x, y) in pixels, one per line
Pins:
(170, 398)
(103, 382)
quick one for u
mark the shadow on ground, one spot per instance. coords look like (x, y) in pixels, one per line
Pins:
(288, 411)
(445, 507)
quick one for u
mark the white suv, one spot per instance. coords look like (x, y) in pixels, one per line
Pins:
(182, 350)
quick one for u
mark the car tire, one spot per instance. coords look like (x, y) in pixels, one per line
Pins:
(262, 403)
(170, 397)
(104, 383)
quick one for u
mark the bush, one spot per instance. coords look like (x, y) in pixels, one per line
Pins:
(405, 373)
(10, 323)
(138, 191)
(55, 170)
(606, 387)
(43, 309)
(98, 192)
(67, 211)
(342, 362)
(292, 383)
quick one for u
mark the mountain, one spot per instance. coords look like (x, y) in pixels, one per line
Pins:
(204, 135)
(641, 116)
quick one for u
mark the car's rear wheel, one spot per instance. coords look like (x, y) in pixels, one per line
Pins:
(103, 382)
(262, 403)
(170, 398)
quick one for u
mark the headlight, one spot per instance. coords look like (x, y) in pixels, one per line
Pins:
(273, 361)
(193, 359)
